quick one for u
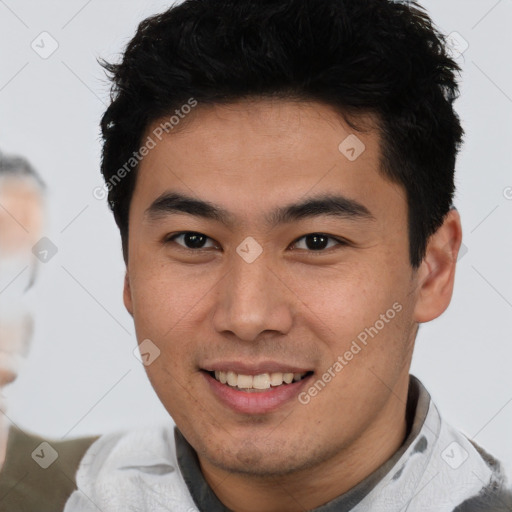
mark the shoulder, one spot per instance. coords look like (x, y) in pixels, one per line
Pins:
(136, 469)
(39, 473)
(441, 470)
(143, 446)
(459, 475)
(495, 493)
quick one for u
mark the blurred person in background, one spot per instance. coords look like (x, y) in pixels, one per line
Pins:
(28, 481)
(21, 224)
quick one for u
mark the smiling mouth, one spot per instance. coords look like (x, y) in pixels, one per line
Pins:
(257, 383)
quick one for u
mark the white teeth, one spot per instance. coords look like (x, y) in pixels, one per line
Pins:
(245, 381)
(288, 378)
(262, 381)
(276, 379)
(232, 378)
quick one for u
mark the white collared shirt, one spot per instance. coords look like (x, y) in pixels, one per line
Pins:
(437, 469)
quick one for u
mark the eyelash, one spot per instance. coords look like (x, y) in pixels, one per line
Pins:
(340, 242)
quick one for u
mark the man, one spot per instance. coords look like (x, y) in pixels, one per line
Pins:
(281, 173)
(21, 219)
(29, 479)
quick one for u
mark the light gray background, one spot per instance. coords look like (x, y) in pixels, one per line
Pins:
(82, 377)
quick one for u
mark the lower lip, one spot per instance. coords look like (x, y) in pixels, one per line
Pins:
(258, 402)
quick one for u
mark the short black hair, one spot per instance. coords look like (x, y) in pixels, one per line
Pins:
(378, 57)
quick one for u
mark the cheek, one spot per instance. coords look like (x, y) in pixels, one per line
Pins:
(348, 300)
(169, 379)
(359, 315)
(164, 300)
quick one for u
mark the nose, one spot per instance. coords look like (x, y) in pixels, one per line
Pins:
(253, 299)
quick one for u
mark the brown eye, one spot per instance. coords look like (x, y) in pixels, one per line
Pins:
(190, 240)
(318, 242)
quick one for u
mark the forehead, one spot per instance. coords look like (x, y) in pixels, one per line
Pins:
(252, 155)
(253, 126)
(19, 188)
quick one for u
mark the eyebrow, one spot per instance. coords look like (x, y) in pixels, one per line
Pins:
(339, 206)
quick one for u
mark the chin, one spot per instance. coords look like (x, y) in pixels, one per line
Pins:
(268, 459)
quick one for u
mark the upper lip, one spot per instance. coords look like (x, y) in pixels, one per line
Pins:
(259, 368)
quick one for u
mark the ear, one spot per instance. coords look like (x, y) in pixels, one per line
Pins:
(436, 273)
(127, 294)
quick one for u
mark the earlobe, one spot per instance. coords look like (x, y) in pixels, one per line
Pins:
(436, 274)
(127, 294)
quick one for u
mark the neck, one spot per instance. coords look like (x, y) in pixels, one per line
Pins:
(315, 486)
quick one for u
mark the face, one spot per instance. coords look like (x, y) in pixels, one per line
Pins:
(293, 258)
(21, 217)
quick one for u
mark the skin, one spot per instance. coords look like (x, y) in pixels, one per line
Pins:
(292, 304)
(21, 224)
(21, 221)
(21, 216)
